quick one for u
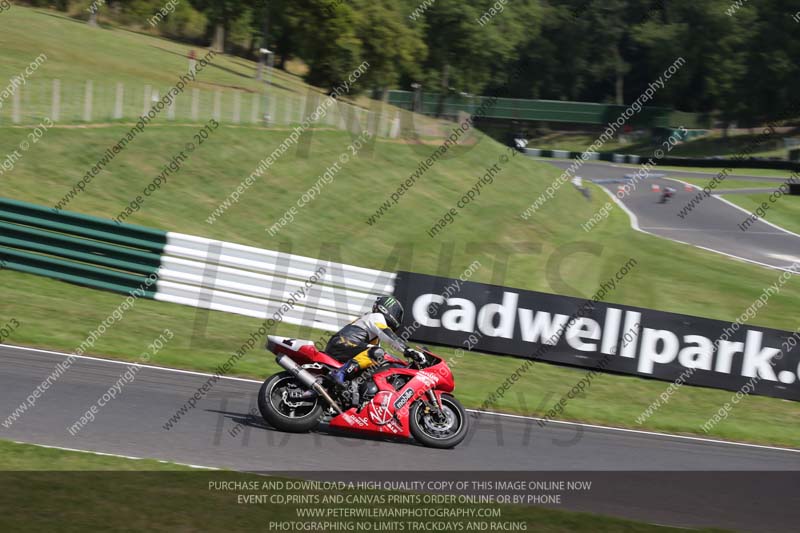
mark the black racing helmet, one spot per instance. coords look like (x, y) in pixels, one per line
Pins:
(391, 309)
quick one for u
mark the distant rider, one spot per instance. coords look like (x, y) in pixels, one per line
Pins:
(667, 194)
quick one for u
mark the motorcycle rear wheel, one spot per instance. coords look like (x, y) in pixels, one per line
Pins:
(284, 414)
(434, 433)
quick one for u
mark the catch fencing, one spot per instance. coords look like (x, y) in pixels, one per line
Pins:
(91, 101)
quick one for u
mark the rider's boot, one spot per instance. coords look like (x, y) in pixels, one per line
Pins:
(340, 376)
(346, 372)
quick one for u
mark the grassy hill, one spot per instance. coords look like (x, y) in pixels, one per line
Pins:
(77, 52)
(548, 252)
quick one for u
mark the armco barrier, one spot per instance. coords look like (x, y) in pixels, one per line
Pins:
(190, 270)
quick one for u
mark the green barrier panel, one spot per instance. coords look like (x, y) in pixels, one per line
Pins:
(91, 259)
(78, 273)
(77, 248)
(77, 230)
(92, 227)
(65, 245)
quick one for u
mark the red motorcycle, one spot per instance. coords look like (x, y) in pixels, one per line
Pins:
(394, 398)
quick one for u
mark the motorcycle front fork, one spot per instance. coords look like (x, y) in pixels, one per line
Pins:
(435, 405)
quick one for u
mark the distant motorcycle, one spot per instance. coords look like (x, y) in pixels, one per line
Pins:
(394, 398)
(520, 144)
(668, 193)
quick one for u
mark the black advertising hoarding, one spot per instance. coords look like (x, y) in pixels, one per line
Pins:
(585, 333)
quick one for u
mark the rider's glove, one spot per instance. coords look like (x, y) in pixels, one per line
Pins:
(377, 354)
(415, 355)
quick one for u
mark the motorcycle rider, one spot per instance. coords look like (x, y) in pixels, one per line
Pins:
(358, 342)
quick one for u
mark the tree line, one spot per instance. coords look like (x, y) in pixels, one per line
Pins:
(739, 55)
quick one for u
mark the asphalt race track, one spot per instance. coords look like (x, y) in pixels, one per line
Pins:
(655, 468)
(713, 224)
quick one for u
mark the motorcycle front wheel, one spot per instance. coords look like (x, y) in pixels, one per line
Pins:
(283, 413)
(439, 431)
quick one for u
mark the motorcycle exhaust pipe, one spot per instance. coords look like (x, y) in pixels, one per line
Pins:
(307, 379)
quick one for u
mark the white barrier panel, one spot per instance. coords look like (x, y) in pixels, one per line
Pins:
(271, 262)
(217, 300)
(262, 285)
(245, 280)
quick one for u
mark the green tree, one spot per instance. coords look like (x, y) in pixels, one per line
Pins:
(467, 53)
(389, 44)
(607, 28)
(185, 22)
(715, 47)
(221, 15)
(552, 59)
(284, 28)
(328, 43)
(772, 72)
